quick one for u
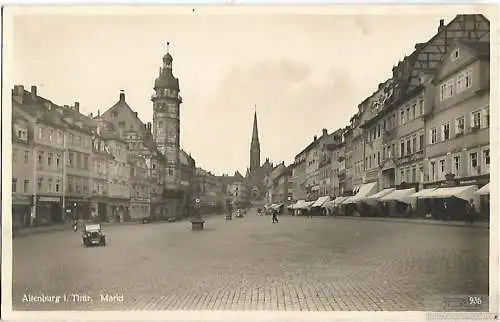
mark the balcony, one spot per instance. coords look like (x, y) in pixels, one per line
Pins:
(417, 156)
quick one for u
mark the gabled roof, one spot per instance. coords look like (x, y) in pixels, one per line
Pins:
(480, 50)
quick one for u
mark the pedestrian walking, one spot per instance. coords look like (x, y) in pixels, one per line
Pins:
(275, 217)
(470, 210)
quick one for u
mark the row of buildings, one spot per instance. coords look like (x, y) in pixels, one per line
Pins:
(110, 166)
(425, 127)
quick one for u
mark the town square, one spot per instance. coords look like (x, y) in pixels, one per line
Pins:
(172, 173)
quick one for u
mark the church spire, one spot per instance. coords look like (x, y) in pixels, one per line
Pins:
(255, 145)
(255, 133)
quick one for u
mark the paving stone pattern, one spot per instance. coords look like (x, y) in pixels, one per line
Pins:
(317, 264)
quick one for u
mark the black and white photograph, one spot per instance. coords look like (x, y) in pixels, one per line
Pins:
(250, 159)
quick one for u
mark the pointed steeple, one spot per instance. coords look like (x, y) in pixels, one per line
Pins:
(255, 133)
(255, 146)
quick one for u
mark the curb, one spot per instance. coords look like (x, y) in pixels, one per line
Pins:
(418, 222)
(61, 227)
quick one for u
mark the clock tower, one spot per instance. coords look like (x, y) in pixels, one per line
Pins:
(166, 119)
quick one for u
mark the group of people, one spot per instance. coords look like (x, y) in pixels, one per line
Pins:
(274, 214)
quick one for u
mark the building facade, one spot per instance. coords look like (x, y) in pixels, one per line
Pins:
(458, 126)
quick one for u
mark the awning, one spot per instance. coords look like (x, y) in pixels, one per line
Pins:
(424, 193)
(320, 201)
(329, 204)
(277, 206)
(399, 195)
(366, 190)
(339, 200)
(380, 194)
(462, 192)
(305, 205)
(298, 203)
(485, 190)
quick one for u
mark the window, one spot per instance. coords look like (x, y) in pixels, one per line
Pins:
(455, 54)
(408, 146)
(70, 159)
(78, 140)
(40, 183)
(442, 167)
(414, 110)
(408, 174)
(414, 173)
(40, 133)
(486, 156)
(433, 136)
(50, 157)
(402, 148)
(487, 117)
(421, 106)
(402, 117)
(58, 185)
(456, 165)
(378, 157)
(433, 170)
(459, 125)
(26, 156)
(58, 161)
(86, 162)
(71, 138)
(378, 130)
(14, 185)
(445, 131)
(40, 157)
(408, 114)
(476, 119)
(49, 185)
(78, 160)
(446, 90)
(26, 185)
(402, 173)
(421, 143)
(59, 139)
(414, 140)
(473, 159)
(51, 135)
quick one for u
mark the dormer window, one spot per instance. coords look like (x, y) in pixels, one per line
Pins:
(455, 54)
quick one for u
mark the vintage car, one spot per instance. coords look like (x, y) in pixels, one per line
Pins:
(93, 235)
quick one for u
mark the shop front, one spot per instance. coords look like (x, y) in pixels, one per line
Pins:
(448, 198)
(48, 210)
(118, 210)
(98, 209)
(21, 211)
(79, 208)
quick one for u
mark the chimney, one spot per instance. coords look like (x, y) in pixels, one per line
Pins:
(149, 126)
(77, 107)
(315, 137)
(325, 132)
(135, 113)
(98, 113)
(91, 115)
(33, 90)
(441, 25)
(18, 93)
(122, 95)
(66, 106)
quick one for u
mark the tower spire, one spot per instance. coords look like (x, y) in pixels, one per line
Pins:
(255, 145)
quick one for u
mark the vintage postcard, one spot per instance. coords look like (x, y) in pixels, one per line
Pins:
(250, 162)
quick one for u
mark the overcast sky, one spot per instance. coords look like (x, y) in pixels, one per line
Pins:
(303, 72)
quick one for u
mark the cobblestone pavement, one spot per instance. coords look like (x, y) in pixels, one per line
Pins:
(251, 264)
